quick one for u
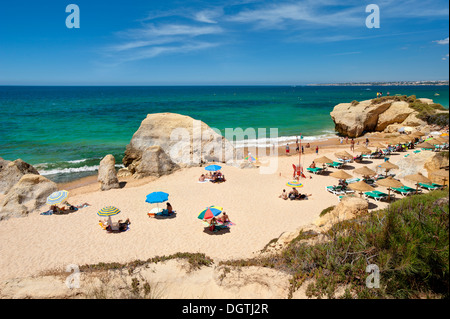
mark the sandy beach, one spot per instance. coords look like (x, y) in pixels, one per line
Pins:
(39, 242)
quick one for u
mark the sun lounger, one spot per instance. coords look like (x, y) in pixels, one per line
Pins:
(403, 191)
(413, 190)
(429, 187)
(335, 164)
(316, 170)
(336, 190)
(373, 195)
(438, 185)
(352, 180)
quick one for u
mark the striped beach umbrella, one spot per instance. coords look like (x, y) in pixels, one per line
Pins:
(210, 212)
(108, 211)
(294, 184)
(251, 158)
(57, 197)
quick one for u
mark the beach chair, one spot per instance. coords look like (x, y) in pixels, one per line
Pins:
(336, 190)
(429, 187)
(373, 195)
(413, 190)
(335, 164)
(316, 170)
(403, 191)
(352, 180)
(438, 185)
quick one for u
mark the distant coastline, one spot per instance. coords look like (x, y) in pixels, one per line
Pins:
(400, 83)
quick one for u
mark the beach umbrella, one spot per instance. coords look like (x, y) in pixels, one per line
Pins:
(340, 174)
(365, 171)
(294, 184)
(363, 150)
(57, 197)
(442, 174)
(388, 166)
(444, 134)
(418, 178)
(361, 187)
(157, 197)
(343, 155)
(425, 145)
(210, 212)
(251, 158)
(436, 140)
(389, 182)
(418, 133)
(377, 144)
(323, 160)
(108, 211)
(213, 168)
(406, 138)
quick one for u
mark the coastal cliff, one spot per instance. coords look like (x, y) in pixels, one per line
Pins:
(386, 114)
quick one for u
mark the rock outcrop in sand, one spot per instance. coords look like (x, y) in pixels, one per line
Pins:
(27, 195)
(183, 142)
(12, 171)
(348, 208)
(107, 175)
(354, 120)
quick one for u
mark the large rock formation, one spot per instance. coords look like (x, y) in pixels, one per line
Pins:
(154, 162)
(107, 175)
(27, 195)
(183, 142)
(12, 171)
(437, 162)
(348, 208)
(413, 163)
(354, 120)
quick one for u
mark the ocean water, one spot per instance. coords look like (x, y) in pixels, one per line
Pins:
(65, 131)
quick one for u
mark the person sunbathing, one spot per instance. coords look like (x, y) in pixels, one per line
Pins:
(313, 165)
(283, 195)
(123, 226)
(169, 208)
(202, 178)
(293, 194)
(225, 218)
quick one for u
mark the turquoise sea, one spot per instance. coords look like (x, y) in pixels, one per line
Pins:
(65, 131)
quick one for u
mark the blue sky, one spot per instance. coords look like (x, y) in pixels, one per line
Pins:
(237, 42)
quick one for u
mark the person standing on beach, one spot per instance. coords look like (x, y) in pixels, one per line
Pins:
(317, 149)
(346, 140)
(287, 149)
(341, 140)
(303, 150)
(297, 149)
(367, 142)
(352, 145)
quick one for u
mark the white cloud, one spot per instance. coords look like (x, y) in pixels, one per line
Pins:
(208, 16)
(443, 42)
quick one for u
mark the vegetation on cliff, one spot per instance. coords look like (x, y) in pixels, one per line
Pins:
(426, 112)
(408, 242)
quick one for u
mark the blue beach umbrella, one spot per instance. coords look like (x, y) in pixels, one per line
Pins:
(57, 197)
(157, 197)
(213, 168)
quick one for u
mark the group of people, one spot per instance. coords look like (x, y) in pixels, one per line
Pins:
(67, 208)
(214, 222)
(120, 226)
(215, 177)
(294, 194)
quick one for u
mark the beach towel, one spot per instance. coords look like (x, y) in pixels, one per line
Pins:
(205, 181)
(49, 212)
